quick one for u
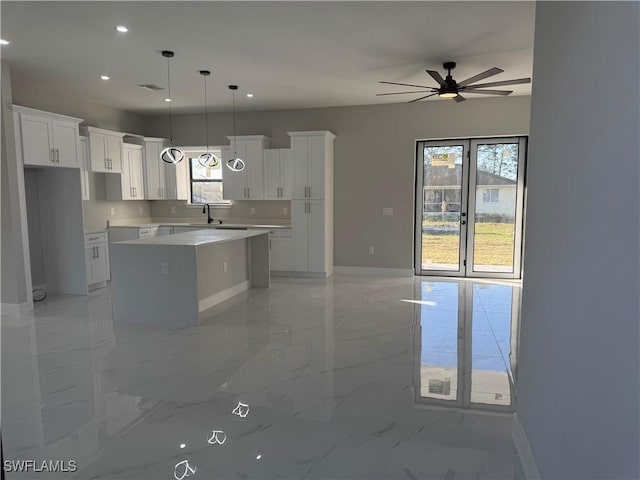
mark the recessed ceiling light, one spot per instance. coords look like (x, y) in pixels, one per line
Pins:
(104, 77)
(4, 42)
(250, 95)
(167, 99)
(122, 29)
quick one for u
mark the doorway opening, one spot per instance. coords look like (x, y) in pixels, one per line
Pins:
(470, 207)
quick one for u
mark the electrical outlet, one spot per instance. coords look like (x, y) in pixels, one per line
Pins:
(112, 210)
(225, 266)
(285, 211)
(387, 211)
(371, 250)
(253, 211)
(173, 209)
(164, 268)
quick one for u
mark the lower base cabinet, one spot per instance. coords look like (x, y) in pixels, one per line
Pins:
(97, 259)
(280, 245)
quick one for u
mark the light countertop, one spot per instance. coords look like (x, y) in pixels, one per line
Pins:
(220, 226)
(197, 238)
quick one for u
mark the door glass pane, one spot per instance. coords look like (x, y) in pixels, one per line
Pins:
(491, 344)
(495, 210)
(439, 341)
(442, 197)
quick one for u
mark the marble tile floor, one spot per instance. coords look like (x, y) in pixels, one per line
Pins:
(354, 377)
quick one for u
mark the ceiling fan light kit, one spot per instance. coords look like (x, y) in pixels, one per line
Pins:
(449, 88)
(170, 154)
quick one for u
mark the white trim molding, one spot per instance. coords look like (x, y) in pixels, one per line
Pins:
(16, 309)
(390, 272)
(217, 298)
(525, 453)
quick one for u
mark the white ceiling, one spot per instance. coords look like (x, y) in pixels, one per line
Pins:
(289, 54)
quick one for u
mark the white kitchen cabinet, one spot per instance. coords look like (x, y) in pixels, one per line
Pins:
(165, 230)
(121, 234)
(281, 254)
(278, 174)
(46, 139)
(105, 150)
(97, 259)
(312, 164)
(163, 181)
(308, 236)
(247, 184)
(130, 184)
(83, 161)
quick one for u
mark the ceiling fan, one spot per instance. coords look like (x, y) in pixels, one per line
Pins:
(449, 88)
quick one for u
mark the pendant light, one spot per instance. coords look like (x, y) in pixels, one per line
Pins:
(170, 154)
(235, 164)
(207, 159)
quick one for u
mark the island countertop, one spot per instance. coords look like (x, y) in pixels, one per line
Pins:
(196, 238)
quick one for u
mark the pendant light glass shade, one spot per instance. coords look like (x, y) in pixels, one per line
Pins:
(235, 164)
(207, 159)
(170, 154)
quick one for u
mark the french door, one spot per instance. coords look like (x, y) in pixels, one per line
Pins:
(469, 207)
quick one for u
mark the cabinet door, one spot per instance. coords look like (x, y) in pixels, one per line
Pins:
(65, 142)
(114, 153)
(286, 173)
(234, 184)
(316, 167)
(300, 149)
(280, 253)
(154, 171)
(37, 143)
(255, 170)
(101, 263)
(83, 160)
(299, 235)
(272, 175)
(176, 187)
(135, 166)
(89, 256)
(97, 152)
(126, 183)
(315, 218)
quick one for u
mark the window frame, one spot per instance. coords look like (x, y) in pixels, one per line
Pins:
(193, 153)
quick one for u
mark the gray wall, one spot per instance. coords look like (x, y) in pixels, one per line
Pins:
(31, 93)
(374, 159)
(578, 380)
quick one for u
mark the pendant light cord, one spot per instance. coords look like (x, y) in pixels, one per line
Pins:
(206, 116)
(235, 140)
(170, 100)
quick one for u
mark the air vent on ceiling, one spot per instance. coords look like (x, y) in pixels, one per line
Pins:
(151, 87)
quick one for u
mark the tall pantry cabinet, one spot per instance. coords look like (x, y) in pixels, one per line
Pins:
(312, 202)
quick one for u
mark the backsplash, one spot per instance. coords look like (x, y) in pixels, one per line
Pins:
(240, 211)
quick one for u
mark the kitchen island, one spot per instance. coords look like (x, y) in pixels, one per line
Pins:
(170, 280)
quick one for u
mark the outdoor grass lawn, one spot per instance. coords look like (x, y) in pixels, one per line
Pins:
(493, 245)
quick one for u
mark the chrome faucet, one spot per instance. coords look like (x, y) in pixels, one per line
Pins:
(206, 207)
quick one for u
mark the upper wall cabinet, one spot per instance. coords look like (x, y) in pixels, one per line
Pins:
(312, 164)
(130, 184)
(105, 150)
(163, 181)
(46, 139)
(278, 174)
(83, 161)
(247, 184)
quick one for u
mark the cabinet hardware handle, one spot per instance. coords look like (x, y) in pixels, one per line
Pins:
(309, 207)
(97, 252)
(51, 156)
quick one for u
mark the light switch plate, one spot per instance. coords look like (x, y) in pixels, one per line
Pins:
(112, 211)
(285, 211)
(387, 211)
(371, 250)
(225, 266)
(173, 209)
(164, 268)
(253, 211)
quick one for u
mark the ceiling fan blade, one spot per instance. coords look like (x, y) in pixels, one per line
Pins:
(503, 83)
(481, 76)
(490, 92)
(406, 85)
(437, 77)
(426, 96)
(401, 93)
(459, 98)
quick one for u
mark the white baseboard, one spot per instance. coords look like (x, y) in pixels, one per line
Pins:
(525, 453)
(278, 273)
(16, 309)
(391, 272)
(215, 299)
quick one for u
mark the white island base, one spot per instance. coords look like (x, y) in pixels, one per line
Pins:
(170, 280)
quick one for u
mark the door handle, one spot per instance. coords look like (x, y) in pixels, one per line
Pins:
(463, 222)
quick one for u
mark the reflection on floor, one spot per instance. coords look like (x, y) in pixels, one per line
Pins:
(352, 377)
